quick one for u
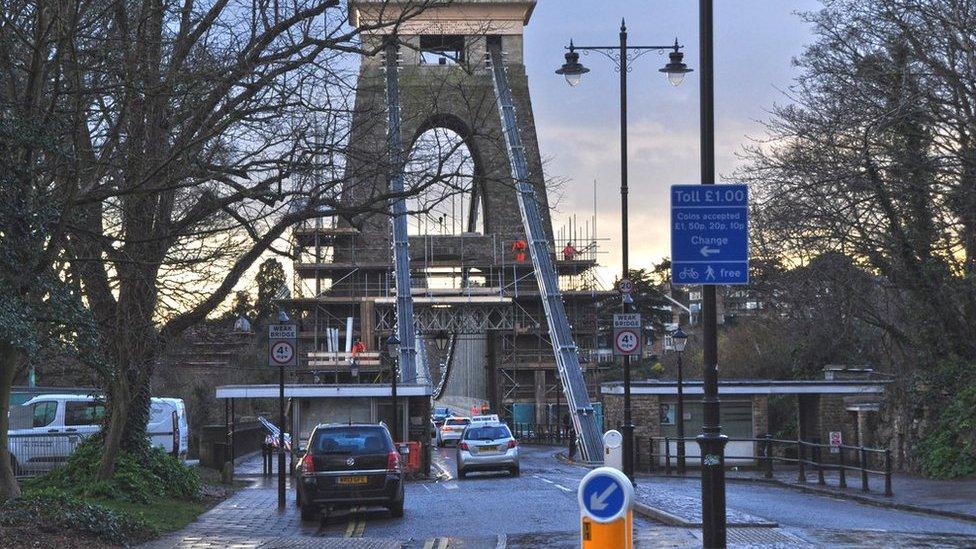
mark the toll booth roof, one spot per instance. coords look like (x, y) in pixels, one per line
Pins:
(303, 390)
(749, 387)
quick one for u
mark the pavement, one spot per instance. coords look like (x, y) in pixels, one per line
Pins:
(952, 498)
(539, 509)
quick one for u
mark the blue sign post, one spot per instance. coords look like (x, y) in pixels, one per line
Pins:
(710, 234)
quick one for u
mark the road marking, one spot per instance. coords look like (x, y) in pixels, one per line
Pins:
(357, 523)
(441, 543)
(502, 542)
(425, 487)
(450, 485)
(563, 488)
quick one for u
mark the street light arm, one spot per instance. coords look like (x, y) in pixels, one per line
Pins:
(618, 48)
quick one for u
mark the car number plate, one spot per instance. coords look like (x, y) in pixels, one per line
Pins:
(352, 481)
(486, 450)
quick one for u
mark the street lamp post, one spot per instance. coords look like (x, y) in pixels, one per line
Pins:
(283, 319)
(573, 71)
(711, 441)
(679, 339)
(392, 352)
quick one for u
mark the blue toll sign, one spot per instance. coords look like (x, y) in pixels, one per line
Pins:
(605, 494)
(710, 234)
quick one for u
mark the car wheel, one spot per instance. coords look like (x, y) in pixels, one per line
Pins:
(462, 474)
(310, 512)
(440, 443)
(515, 471)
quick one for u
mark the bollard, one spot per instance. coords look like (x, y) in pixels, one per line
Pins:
(843, 469)
(606, 501)
(802, 473)
(888, 473)
(667, 456)
(768, 453)
(820, 473)
(864, 469)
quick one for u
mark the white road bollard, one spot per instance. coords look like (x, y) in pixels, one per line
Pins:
(613, 449)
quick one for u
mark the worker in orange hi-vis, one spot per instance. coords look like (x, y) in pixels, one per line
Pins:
(474, 410)
(357, 348)
(519, 247)
(569, 252)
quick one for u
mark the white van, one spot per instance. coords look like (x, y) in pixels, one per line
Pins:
(46, 429)
(167, 427)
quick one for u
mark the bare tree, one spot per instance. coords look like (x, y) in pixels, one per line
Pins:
(874, 159)
(198, 133)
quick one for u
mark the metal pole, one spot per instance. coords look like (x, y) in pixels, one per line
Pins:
(628, 426)
(281, 436)
(711, 441)
(680, 420)
(393, 396)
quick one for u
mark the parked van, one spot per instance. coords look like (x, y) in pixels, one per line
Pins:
(46, 429)
(168, 427)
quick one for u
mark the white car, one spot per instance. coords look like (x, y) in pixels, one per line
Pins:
(452, 429)
(487, 446)
(45, 430)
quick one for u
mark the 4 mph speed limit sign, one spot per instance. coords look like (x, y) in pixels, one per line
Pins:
(626, 334)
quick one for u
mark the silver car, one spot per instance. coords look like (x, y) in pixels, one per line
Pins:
(452, 429)
(487, 447)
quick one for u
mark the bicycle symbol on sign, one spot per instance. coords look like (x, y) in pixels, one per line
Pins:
(688, 273)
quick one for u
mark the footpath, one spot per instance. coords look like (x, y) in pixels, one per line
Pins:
(949, 498)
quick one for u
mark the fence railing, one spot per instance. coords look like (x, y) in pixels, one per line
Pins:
(36, 454)
(808, 458)
(541, 433)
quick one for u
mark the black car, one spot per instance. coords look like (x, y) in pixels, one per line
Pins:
(348, 465)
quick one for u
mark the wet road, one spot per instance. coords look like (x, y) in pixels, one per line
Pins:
(536, 509)
(539, 509)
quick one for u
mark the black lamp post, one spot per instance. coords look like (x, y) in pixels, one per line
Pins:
(392, 352)
(711, 441)
(282, 319)
(679, 339)
(573, 70)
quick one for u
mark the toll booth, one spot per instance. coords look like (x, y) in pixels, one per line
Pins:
(308, 405)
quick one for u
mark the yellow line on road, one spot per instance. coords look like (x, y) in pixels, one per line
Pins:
(357, 523)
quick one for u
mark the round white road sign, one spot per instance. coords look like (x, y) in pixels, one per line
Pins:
(625, 286)
(627, 341)
(282, 352)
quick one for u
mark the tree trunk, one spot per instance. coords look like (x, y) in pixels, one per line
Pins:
(9, 359)
(128, 404)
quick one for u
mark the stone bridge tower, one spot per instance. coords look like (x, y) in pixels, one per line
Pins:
(502, 354)
(444, 84)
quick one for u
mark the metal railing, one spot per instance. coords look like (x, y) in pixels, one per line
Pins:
(37, 454)
(808, 457)
(541, 433)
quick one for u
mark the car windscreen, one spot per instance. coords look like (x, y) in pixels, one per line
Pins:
(491, 432)
(351, 440)
(458, 421)
(441, 411)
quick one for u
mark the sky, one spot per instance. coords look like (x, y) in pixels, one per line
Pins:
(755, 42)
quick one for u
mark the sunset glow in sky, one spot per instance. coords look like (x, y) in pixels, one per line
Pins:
(579, 131)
